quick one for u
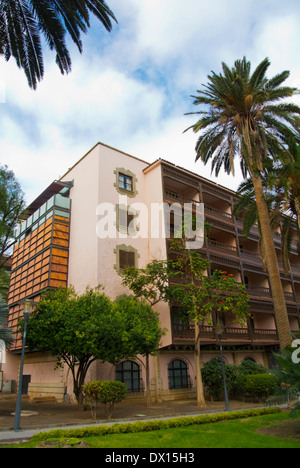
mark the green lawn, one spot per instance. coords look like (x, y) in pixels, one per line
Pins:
(240, 433)
(228, 434)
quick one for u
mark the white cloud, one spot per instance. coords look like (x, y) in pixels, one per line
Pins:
(130, 89)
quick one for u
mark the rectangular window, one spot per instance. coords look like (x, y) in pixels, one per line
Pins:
(125, 182)
(126, 220)
(126, 259)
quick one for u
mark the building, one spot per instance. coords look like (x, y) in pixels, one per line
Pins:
(65, 241)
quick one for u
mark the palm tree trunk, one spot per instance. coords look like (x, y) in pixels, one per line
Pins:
(297, 207)
(281, 315)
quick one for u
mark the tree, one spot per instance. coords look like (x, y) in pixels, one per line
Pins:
(78, 329)
(285, 181)
(183, 280)
(24, 23)
(150, 283)
(289, 377)
(209, 299)
(12, 205)
(142, 332)
(107, 392)
(246, 115)
(6, 334)
(281, 217)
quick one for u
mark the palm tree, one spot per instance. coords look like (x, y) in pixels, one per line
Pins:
(248, 117)
(23, 22)
(281, 216)
(285, 181)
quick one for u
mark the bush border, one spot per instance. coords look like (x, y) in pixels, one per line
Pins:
(147, 426)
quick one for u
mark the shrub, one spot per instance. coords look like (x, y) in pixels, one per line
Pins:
(248, 367)
(107, 392)
(260, 385)
(151, 425)
(213, 377)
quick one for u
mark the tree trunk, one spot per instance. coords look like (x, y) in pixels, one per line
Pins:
(148, 381)
(280, 309)
(297, 207)
(200, 392)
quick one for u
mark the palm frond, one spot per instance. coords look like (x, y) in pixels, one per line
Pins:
(24, 22)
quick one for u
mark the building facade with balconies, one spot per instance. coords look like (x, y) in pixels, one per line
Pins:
(60, 244)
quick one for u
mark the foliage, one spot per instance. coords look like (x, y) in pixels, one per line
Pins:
(289, 380)
(259, 386)
(11, 206)
(4, 284)
(6, 334)
(78, 329)
(245, 115)
(107, 392)
(149, 283)
(148, 426)
(236, 377)
(281, 198)
(213, 377)
(183, 280)
(24, 23)
(248, 367)
(141, 333)
(215, 296)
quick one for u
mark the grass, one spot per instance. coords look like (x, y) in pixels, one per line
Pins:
(241, 433)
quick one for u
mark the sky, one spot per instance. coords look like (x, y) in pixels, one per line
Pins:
(131, 88)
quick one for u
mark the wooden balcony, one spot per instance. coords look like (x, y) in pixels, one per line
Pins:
(185, 334)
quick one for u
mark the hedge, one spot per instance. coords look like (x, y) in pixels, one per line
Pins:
(147, 426)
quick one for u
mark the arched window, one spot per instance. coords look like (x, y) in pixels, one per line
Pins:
(178, 374)
(128, 372)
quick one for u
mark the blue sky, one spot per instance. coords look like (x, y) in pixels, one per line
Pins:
(130, 89)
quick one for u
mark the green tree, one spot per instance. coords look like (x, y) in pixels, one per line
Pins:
(284, 180)
(24, 23)
(201, 297)
(281, 217)
(6, 334)
(150, 283)
(246, 115)
(142, 331)
(78, 329)
(12, 205)
(107, 392)
(289, 376)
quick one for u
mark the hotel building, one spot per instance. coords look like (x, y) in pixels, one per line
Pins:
(59, 244)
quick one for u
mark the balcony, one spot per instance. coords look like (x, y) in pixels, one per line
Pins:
(221, 247)
(185, 333)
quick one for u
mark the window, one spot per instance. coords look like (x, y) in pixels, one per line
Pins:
(125, 182)
(178, 374)
(126, 220)
(128, 372)
(126, 257)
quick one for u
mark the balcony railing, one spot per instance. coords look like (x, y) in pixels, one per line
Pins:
(221, 246)
(186, 333)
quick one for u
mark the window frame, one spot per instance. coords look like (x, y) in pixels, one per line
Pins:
(131, 215)
(125, 248)
(184, 377)
(135, 369)
(127, 173)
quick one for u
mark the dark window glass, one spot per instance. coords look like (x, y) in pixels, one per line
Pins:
(128, 372)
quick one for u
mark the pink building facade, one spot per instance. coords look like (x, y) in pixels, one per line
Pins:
(91, 241)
